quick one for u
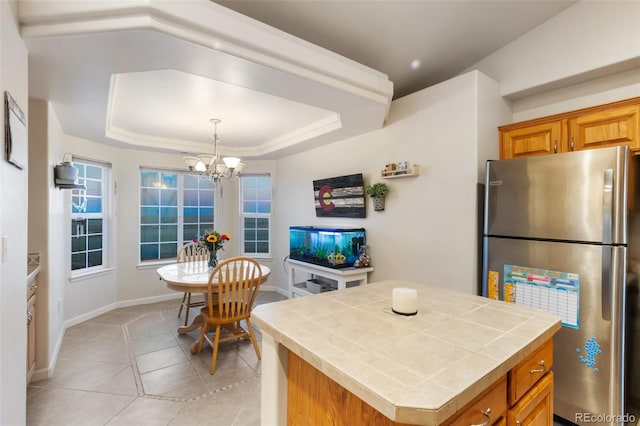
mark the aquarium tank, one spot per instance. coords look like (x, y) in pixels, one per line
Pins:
(330, 247)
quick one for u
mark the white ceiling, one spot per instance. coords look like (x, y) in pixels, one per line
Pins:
(150, 74)
(446, 36)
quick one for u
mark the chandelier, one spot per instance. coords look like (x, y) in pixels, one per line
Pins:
(211, 165)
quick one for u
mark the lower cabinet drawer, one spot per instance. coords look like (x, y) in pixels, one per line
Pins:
(536, 408)
(487, 408)
(531, 369)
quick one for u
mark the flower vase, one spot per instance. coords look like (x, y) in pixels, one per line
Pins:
(213, 260)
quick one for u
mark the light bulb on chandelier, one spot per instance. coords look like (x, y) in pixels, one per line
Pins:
(210, 166)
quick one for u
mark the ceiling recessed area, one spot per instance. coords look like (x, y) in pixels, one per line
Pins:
(283, 76)
(251, 121)
(152, 76)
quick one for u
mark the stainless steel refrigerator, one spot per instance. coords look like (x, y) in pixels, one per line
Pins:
(557, 234)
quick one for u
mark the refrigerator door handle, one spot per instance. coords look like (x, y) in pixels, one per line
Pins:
(607, 233)
(607, 207)
(605, 297)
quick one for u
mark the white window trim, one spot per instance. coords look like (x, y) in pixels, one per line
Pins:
(147, 264)
(105, 268)
(266, 255)
(85, 274)
(154, 264)
(244, 215)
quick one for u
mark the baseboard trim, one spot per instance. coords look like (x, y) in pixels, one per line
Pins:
(122, 304)
(276, 289)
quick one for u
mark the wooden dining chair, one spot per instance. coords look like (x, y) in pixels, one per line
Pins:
(232, 290)
(190, 252)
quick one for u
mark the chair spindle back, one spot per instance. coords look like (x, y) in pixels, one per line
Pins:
(192, 252)
(238, 280)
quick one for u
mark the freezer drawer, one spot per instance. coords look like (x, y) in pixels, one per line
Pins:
(576, 196)
(581, 283)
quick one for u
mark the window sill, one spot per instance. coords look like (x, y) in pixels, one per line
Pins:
(89, 275)
(154, 264)
(258, 256)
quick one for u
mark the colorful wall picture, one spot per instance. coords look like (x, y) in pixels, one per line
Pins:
(341, 196)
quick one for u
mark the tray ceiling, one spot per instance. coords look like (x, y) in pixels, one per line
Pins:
(150, 74)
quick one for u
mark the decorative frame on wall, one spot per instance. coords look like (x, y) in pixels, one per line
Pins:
(15, 133)
(341, 196)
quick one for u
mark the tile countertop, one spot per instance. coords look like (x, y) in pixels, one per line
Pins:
(419, 369)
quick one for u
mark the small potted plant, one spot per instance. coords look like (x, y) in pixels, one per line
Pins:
(377, 191)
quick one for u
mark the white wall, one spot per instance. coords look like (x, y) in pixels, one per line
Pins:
(59, 245)
(47, 232)
(13, 227)
(587, 55)
(38, 229)
(586, 41)
(428, 232)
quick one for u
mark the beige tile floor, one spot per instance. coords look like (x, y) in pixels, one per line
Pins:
(130, 367)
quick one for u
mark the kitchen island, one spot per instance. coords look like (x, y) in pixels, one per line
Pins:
(343, 357)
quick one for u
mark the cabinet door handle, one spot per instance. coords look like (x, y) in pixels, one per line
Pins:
(571, 145)
(487, 422)
(555, 146)
(29, 318)
(540, 370)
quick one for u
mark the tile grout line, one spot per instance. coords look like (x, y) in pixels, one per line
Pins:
(138, 379)
(132, 360)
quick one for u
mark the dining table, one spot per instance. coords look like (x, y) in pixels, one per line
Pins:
(193, 277)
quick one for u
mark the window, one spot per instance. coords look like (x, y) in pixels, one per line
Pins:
(175, 208)
(88, 218)
(255, 210)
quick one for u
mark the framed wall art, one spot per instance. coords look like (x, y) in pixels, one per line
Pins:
(341, 196)
(15, 133)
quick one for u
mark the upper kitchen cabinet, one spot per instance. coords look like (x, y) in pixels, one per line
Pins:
(604, 125)
(615, 126)
(534, 139)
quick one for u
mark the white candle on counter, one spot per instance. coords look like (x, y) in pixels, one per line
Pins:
(405, 301)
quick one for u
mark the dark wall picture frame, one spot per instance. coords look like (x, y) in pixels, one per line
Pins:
(341, 196)
(15, 133)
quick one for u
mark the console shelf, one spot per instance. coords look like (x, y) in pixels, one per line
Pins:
(353, 276)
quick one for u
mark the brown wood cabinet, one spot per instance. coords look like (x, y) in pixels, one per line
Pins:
(536, 139)
(536, 407)
(489, 408)
(315, 399)
(531, 389)
(31, 328)
(523, 397)
(611, 124)
(523, 376)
